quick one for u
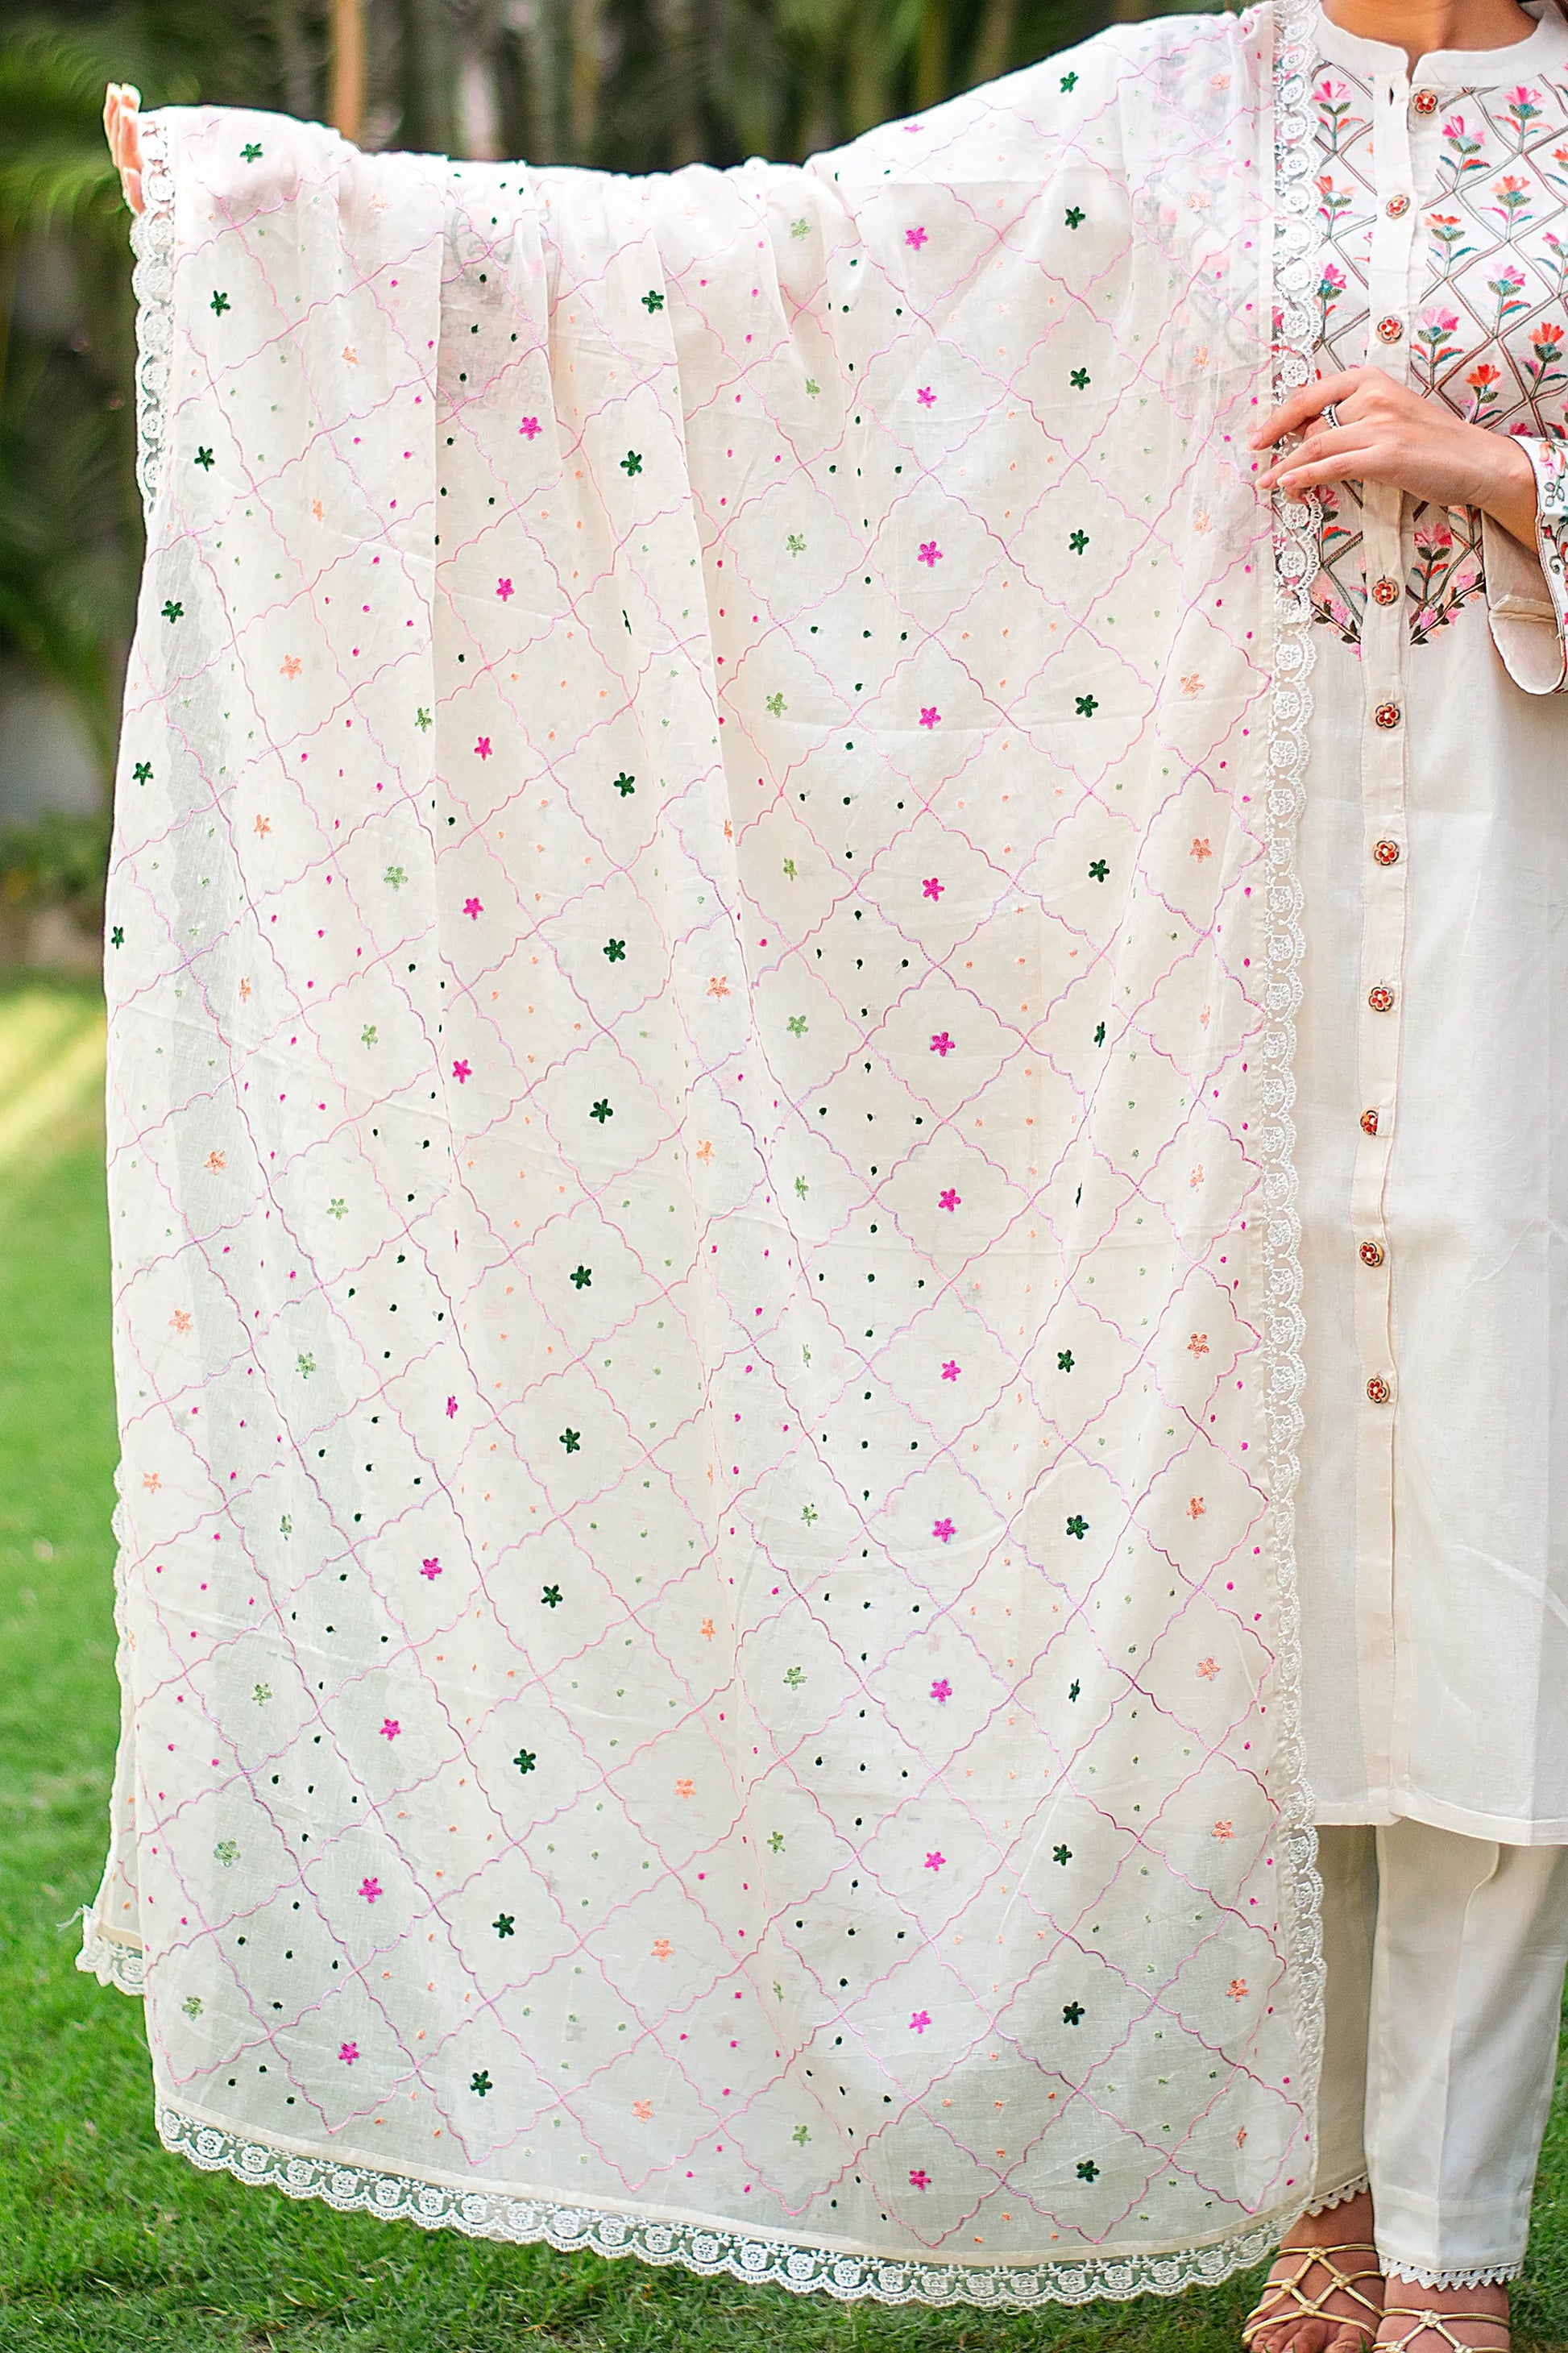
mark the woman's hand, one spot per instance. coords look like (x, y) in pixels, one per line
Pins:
(122, 129)
(1387, 433)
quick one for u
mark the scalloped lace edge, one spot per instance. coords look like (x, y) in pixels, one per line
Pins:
(800, 2267)
(1484, 2275)
(803, 2268)
(1330, 2199)
(152, 280)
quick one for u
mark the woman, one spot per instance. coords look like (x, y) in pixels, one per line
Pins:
(1427, 851)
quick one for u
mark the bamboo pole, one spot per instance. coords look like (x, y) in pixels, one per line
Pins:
(347, 100)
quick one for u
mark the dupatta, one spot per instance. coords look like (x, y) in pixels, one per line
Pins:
(701, 945)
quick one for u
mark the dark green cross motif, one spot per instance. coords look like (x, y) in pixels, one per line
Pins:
(220, 304)
(1077, 1526)
(524, 1760)
(143, 772)
(615, 950)
(581, 1276)
(251, 151)
(602, 1111)
(1064, 1360)
(1099, 867)
(481, 2083)
(1072, 2013)
(171, 611)
(1074, 1688)
(1061, 1854)
(203, 459)
(572, 1441)
(550, 1598)
(1089, 2170)
(1069, 82)
(1080, 379)
(1074, 217)
(504, 1925)
(625, 784)
(1088, 704)
(1078, 540)
(117, 936)
(652, 301)
(631, 463)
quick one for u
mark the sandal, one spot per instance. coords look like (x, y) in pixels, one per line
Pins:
(1439, 2321)
(1286, 2299)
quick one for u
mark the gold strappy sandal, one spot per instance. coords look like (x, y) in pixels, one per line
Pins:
(1286, 2299)
(1440, 2321)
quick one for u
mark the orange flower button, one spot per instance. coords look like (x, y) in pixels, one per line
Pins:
(1385, 852)
(1385, 591)
(1378, 1390)
(1387, 714)
(1381, 1000)
(1372, 1253)
(1369, 1123)
(1396, 207)
(1424, 101)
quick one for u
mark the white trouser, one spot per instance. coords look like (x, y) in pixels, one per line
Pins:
(1444, 1964)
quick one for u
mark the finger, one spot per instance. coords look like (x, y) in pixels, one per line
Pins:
(1310, 401)
(1351, 467)
(1338, 448)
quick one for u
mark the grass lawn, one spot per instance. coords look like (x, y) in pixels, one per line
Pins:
(105, 2242)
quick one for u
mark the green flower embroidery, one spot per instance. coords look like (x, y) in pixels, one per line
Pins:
(631, 463)
(1064, 1360)
(203, 459)
(226, 1852)
(117, 936)
(504, 1926)
(285, 1527)
(615, 950)
(1077, 1526)
(1089, 2170)
(812, 387)
(625, 784)
(1061, 1854)
(261, 1694)
(775, 1841)
(800, 2136)
(1099, 867)
(395, 876)
(801, 1188)
(652, 302)
(809, 1512)
(143, 772)
(191, 2005)
(1100, 1034)
(481, 2084)
(251, 151)
(1074, 217)
(571, 1439)
(777, 704)
(550, 1598)
(422, 720)
(795, 545)
(1080, 379)
(795, 1677)
(1088, 704)
(789, 869)
(1074, 1688)
(1078, 540)
(305, 1367)
(800, 228)
(1069, 82)
(367, 1035)
(524, 1760)
(581, 1276)
(220, 304)
(337, 1208)
(1072, 2013)
(602, 1111)
(171, 611)
(795, 1025)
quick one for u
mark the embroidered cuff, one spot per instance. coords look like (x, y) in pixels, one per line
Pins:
(1526, 592)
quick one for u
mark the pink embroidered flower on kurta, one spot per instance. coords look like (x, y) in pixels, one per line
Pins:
(942, 1530)
(925, 395)
(431, 1568)
(915, 236)
(942, 1690)
(462, 1072)
(528, 427)
(919, 2177)
(370, 1889)
(948, 1200)
(504, 589)
(941, 1043)
(919, 2020)
(451, 1406)
(931, 554)
(472, 907)
(390, 1727)
(930, 714)
(935, 1859)
(348, 2053)
(482, 748)
(932, 888)
(950, 1370)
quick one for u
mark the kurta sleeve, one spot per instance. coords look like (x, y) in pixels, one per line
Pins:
(1527, 589)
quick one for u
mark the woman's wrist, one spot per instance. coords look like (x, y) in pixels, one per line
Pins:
(1511, 499)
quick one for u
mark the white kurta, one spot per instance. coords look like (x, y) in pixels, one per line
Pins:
(1434, 1561)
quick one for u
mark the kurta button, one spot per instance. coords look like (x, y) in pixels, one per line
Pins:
(1387, 714)
(1381, 1000)
(1385, 852)
(1369, 1123)
(1372, 1253)
(1378, 1390)
(1424, 101)
(1396, 207)
(1389, 330)
(1385, 591)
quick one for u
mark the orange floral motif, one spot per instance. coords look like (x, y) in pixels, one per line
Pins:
(152, 1481)
(290, 666)
(244, 990)
(1236, 1989)
(718, 985)
(264, 825)
(181, 1319)
(686, 1788)
(705, 1150)
(1190, 682)
(1194, 1507)
(216, 1161)
(350, 355)
(317, 508)
(642, 2110)
(1200, 848)
(1198, 1345)
(1222, 1831)
(662, 1948)
(707, 1630)
(1208, 1669)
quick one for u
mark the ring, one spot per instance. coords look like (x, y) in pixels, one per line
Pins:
(1330, 416)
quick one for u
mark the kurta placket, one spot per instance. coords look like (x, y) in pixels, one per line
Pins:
(1385, 643)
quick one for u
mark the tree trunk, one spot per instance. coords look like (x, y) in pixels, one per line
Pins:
(347, 100)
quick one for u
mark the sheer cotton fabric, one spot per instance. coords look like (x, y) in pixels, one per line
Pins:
(701, 960)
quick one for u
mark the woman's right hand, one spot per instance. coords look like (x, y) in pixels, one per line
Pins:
(122, 129)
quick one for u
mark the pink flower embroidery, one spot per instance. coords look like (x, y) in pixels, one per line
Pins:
(472, 907)
(530, 427)
(932, 888)
(482, 748)
(942, 1530)
(942, 1690)
(930, 714)
(935, 1859)
(948, 1200)
(348, 2053)
(950, 1370)
(390, 1727)
(504, 589)
(915, 236)
(451, 1408)
(925, 395)
(919, 2020)
(931, 554)
(370, 1889)
(919, 2177)
(462, 1072)
(942, 1044)
(432, 1570)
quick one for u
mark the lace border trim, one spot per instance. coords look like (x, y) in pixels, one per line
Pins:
(152, 280)
(1341, 2197)
(804, 2270)
(111, 1961)
(1297, 232)
(1486, 2275)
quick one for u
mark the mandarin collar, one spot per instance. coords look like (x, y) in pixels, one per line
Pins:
(1543, 51)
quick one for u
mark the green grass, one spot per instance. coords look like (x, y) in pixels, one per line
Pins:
(105, 2242)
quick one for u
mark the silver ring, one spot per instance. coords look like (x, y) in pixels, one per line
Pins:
(1330, 416)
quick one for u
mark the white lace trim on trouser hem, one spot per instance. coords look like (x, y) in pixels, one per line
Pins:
(1332, 2198)
(1478, 2275)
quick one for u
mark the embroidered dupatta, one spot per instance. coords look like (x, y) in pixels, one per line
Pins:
(702, 952)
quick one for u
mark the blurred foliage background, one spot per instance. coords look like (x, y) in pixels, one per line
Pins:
(631, 85)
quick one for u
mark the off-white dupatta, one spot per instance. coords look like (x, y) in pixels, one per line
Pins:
(701, 949)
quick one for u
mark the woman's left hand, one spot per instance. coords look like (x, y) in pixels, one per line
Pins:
(1386, 433)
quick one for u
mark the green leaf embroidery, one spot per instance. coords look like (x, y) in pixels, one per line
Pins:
(631, 463)
(652, 302)
(203, 459)
(220, 304)
(171, 611)
(571, 1439)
